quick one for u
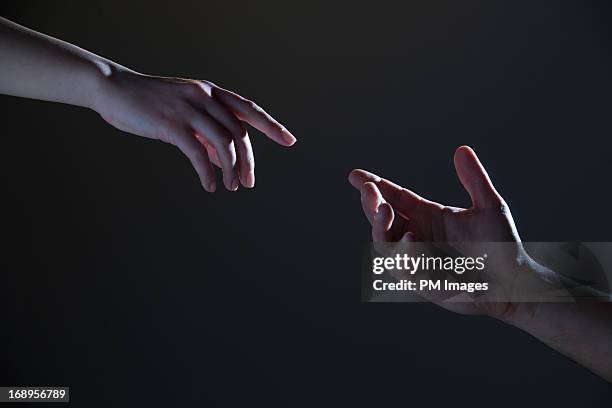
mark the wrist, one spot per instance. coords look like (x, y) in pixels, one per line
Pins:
(536, 314)
(530, 284)
(103, 83)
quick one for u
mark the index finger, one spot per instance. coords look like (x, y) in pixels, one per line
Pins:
(254, 115)
(403, 200)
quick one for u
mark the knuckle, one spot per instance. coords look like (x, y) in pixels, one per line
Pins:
(192, 89)
(497, 203)
(249, 104)
(448, 211)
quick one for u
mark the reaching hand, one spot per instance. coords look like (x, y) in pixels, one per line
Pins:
(399, 215)
(404, 213)
(203, 120)
(581, 331)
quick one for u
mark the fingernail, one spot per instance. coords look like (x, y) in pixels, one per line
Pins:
(250, 181)
(235, 184)
(288, 137)
(212, 186)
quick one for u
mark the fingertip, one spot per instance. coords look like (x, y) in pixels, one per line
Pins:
(384, 216)
(353, 179)
(288, 138)
(370, 199)
(250, 180)
(407, 238)
(385, 211)
(461, 157)
(367, 176)
(464, 152)
(209, 186)
(358, 177)
(368, 188)
(474, 178)
(230, 182)
(386, 206)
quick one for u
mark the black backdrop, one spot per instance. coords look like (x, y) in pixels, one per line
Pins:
(124, 280)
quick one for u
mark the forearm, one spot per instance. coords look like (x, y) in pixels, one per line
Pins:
(581, 331)
(34, 65)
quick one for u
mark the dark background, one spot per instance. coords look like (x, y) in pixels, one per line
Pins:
(122, 279)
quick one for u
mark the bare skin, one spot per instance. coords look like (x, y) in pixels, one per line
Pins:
(206, 122)
(582, 332)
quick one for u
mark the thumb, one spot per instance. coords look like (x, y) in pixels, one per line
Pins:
(475, 179)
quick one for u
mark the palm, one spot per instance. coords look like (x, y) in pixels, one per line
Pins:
(474, 225)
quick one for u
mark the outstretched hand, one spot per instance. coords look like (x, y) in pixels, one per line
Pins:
(397, 214)
(581, 331)
(204, 121)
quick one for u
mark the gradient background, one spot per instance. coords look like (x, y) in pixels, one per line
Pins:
(125, 281)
